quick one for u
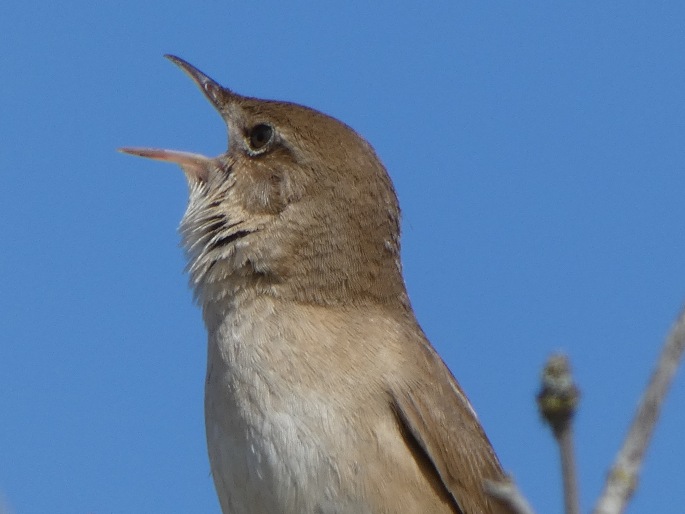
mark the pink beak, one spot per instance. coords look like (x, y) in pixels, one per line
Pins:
(194, 165)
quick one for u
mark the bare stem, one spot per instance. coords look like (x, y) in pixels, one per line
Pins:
(557, 402)
(568, 469)
(622, 479)
(508, 493)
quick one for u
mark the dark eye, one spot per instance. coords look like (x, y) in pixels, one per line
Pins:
(260, 136)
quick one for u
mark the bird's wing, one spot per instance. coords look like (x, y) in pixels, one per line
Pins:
(440, 424)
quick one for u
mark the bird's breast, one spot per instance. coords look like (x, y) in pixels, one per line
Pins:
(275, 434)
(298, 417)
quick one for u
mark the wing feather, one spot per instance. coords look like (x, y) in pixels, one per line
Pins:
(442, 423)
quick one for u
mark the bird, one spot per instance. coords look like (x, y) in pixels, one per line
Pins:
(322, 392)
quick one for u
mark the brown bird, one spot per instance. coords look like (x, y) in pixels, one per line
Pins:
(322, 394)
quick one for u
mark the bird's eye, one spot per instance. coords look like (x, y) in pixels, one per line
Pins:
(260, 136)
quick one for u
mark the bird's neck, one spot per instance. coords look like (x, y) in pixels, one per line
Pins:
(241, 289)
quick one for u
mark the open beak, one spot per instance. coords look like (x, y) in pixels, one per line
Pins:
(219, 96)
(194, 165)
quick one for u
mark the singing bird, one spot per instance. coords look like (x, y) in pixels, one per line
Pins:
(322, 393)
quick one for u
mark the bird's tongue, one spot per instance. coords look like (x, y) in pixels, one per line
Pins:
(194, 165)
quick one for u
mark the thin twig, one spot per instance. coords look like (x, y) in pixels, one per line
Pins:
(508, 493)
(568, 469)
(622, 479)
(557, 401)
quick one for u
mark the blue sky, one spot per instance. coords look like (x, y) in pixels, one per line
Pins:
(538, 154)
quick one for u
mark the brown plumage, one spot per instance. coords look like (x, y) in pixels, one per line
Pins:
(323, 394)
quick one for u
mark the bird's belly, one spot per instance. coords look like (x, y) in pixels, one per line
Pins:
(256, 473)
(274, 449)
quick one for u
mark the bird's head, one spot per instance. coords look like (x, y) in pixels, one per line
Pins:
(299, 206)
